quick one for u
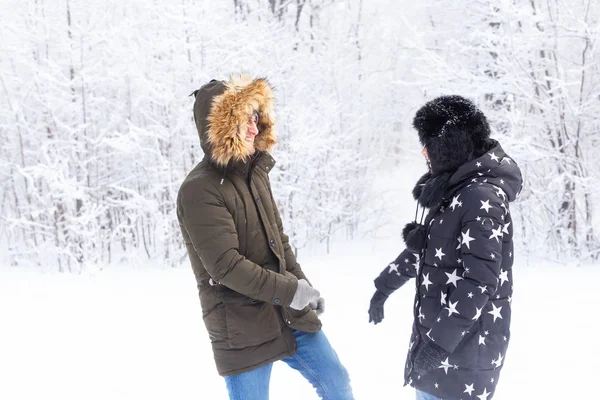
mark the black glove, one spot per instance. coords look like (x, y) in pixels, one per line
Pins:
(429, 357)
(376, 309)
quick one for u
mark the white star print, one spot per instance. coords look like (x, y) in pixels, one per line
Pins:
(406, 260)
(496, 312)
(498, 362)
(436, 385)
(452, 308)
(393, 267)
(459, 260)
(493, 256)
(467, 239)
(496, 234)
(484, 395)
(426, 281)
(439, 253)
(459, 244)
(416, 265)
(494, 157)
(478, 219)
(482, 288)
(500, 193)
(486, 333)
(478, 164)
(429, 335)
(492, 380)
(502, 181)
(438, 319)
(469, 388)
(445, 365)
(485, 205)
(455, 202)
(453, 278)
(503, 277)
(421, 315)
(482, 340)
(505, 229)
(477, 314)
(443, 299)
(470, 295)
(508, 160)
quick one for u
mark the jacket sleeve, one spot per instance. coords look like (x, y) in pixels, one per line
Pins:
(213, 235)
(291, 264)
(481, 253)
(397, 273)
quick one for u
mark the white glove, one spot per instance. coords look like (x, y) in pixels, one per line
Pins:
(304, 295)
(318, 306)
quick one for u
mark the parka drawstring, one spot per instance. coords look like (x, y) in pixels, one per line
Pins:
(224, 174)
(417, 214)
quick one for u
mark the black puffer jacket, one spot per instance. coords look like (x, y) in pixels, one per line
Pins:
(463, 276)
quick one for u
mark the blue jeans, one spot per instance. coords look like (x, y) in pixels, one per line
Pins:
(426, 396)
(315, 360)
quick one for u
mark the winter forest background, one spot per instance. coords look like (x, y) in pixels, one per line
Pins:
(96, 129)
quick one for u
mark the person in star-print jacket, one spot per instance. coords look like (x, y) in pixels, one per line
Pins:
(461, 256)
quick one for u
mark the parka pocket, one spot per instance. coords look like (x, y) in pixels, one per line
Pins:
(214, 320)
(304, 320)
(250, 322)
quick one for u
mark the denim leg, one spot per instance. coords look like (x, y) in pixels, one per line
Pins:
(319, 364)
(426, 396)
(251, 385)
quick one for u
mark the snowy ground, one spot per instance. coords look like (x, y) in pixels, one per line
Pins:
(137, 333)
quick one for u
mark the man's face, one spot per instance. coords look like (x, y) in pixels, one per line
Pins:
(252, 132)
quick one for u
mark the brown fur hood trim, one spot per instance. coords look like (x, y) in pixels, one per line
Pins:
(229, 115)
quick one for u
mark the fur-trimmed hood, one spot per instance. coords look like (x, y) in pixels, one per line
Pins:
(222, 110)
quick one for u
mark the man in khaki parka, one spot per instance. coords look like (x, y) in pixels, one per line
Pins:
(256, 302)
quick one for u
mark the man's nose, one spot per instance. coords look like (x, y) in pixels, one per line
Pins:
(252, 129)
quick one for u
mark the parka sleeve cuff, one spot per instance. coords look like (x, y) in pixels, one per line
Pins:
(285, 289)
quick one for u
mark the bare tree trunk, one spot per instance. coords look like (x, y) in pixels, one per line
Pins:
(75, 244)
(357, 38)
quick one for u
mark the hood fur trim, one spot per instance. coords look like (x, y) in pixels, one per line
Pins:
(229, 116)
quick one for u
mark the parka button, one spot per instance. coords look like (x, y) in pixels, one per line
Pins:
(277, 301)
(287, 321)
(272, 243)
(258, 199)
